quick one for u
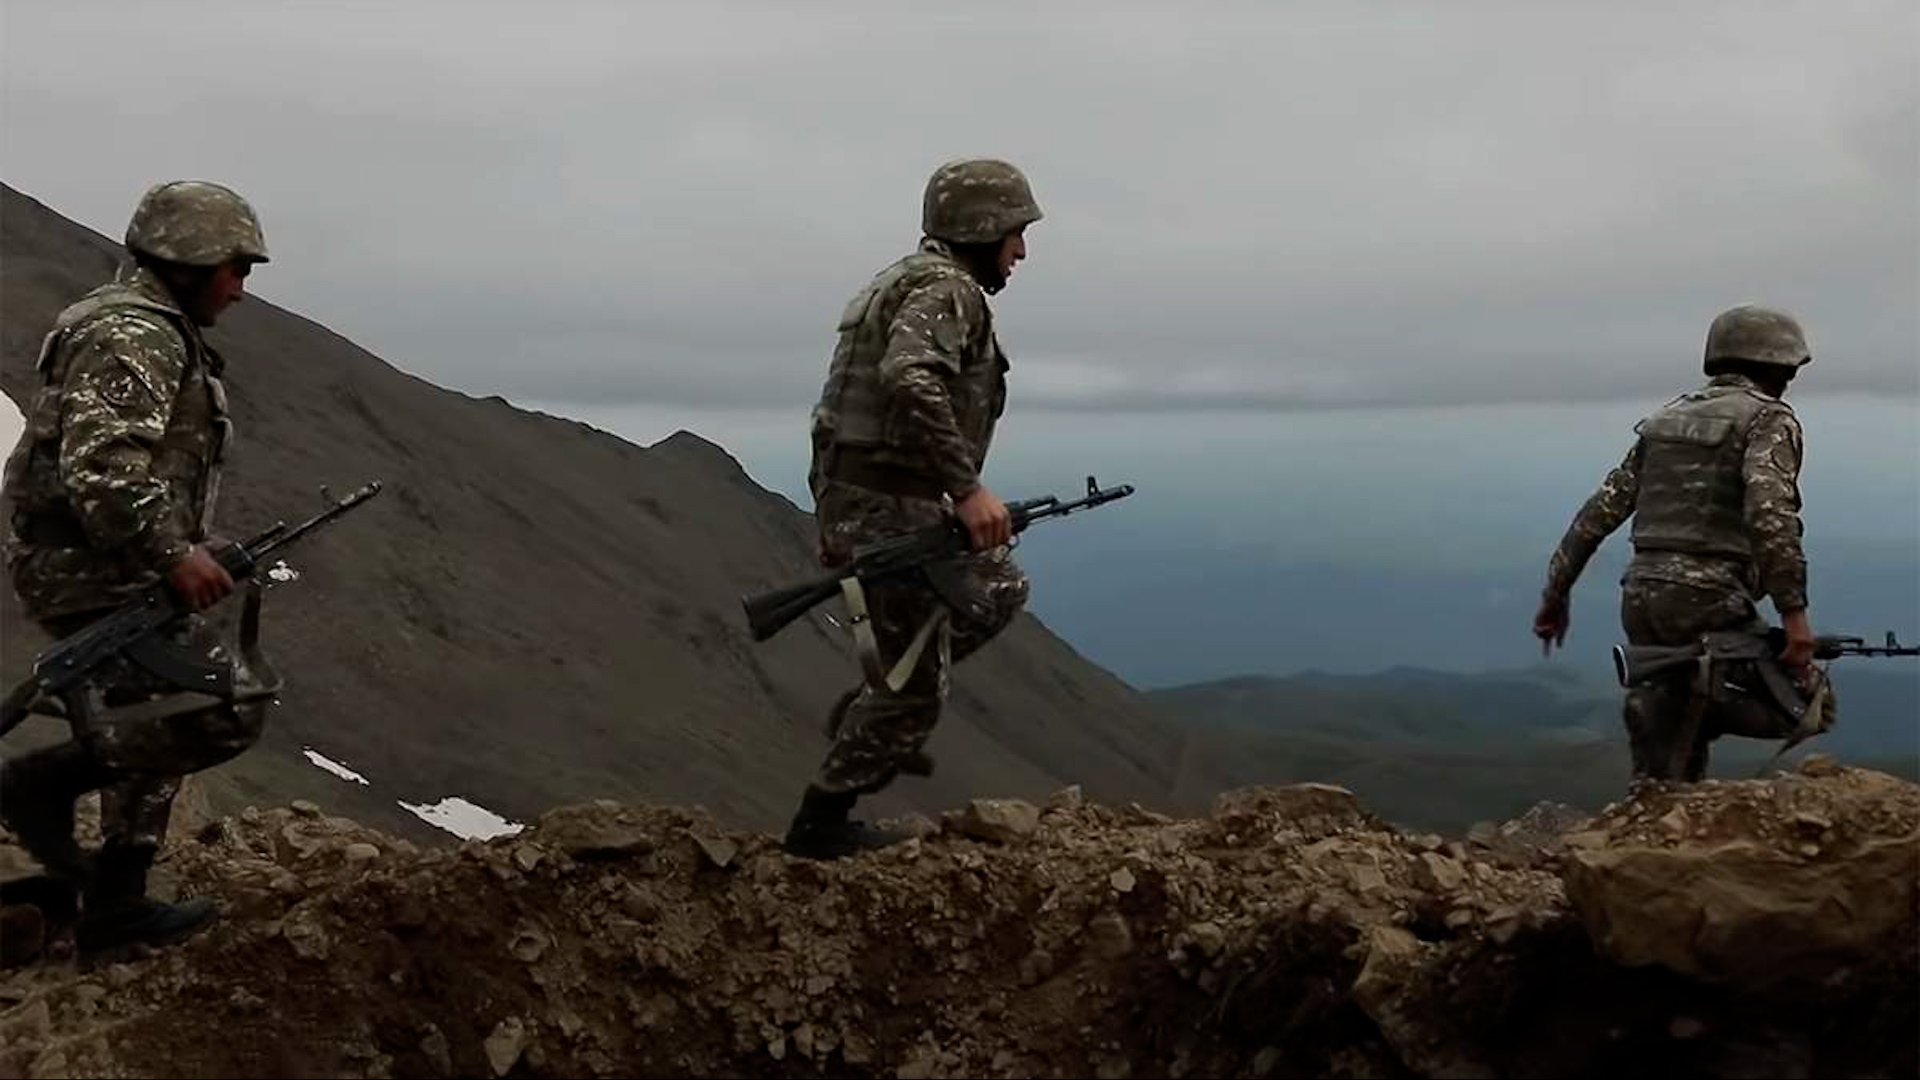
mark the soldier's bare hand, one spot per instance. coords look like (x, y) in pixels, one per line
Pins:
(1798, 655)
(1550, 623)
(987, 519)
(199, 579)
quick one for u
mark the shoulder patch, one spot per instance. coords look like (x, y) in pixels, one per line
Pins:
(122, 388)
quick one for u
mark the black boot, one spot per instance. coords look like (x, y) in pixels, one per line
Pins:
(820, 828)
(118, 911)
(37, 793)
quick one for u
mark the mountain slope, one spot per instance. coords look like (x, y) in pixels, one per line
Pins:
(536, 612)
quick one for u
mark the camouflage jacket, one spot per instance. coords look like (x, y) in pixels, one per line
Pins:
(118, 470)
(917, 382)
(1715, 478)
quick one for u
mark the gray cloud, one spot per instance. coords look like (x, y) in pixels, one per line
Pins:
(1260, 204)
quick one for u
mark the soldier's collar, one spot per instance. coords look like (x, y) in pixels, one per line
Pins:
(931, 246)
(145, 282)
(148, 284)
(1728, 378)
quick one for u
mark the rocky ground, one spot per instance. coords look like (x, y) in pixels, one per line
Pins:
(1763, 928)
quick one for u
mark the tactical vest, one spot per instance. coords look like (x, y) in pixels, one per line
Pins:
(187, 458)
(1692, 479)
(852, 407)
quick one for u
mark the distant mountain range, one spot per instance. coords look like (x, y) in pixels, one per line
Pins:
(1441, 750)
(1200, 615)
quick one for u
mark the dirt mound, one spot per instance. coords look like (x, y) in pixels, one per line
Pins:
(1288, 933)
(1797, 881)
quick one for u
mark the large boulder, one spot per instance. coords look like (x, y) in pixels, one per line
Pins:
(1754, 884)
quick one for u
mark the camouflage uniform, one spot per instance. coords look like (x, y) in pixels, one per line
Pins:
(114, 481)
(1713, 486)
(901, 432)
(880, 731)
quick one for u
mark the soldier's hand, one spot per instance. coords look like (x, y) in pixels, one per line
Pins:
(987, 519)
(1550, 623)
(1798, 655)
(199, 579)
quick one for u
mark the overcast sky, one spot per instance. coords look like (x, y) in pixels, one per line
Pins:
(1266, 204)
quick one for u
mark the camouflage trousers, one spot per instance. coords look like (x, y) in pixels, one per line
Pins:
(1668, 730)
(153, 754)
(877, 731)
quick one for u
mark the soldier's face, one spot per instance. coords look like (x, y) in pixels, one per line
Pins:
(224, 288)
(1013, 248)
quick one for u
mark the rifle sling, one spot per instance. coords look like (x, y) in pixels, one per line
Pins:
(186, 701)
(1809, 713)
(868, 647)
(1698, 696)
(183, 669)
(1811, 721)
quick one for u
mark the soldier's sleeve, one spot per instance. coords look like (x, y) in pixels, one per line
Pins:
(925, 352)
(1772, 471)
(1604, 511)
(124, 373)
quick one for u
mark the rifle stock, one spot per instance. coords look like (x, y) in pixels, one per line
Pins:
(1637, 664)
(769, 613)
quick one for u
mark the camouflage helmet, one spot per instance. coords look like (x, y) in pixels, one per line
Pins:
(977, 201)
(195, 222)
(1758, 334)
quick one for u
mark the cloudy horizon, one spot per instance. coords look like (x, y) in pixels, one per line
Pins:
(1248, 206)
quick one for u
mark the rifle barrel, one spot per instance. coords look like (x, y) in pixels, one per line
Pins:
(282, 536)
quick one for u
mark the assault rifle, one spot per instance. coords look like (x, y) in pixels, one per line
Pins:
(67, 661)
(1637, 664)
(769, 612)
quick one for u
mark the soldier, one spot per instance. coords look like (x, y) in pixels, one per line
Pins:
(900, 435)
(1713, 486)
(112, 488)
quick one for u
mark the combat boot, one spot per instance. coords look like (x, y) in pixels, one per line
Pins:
(118, 912)
(821, 830)
(37, 793)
